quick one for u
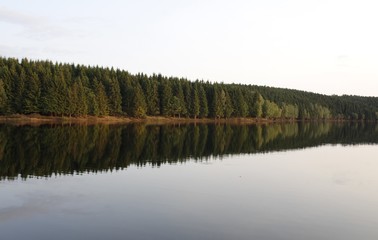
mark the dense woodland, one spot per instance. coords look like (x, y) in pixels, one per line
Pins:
(46, 150)
(55, 89)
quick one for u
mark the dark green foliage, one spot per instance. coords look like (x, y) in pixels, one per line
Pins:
(102, 99)
(166, 98)
(228, 108)
(256, 109)
(178, 100)
(203, 109)
(195, 104)
(32, 94)
(77, 99)
(115, 98)
(240, 105)
(47, 88)
(218, 102)
(138, 103)
(151, 93)
(3, 98)
(126, 92)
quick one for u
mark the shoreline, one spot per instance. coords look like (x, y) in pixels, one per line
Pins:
(36, 119)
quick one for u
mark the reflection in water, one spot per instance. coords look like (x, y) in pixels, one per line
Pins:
(47, 150)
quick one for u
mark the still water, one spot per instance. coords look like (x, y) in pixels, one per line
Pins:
(284, 181)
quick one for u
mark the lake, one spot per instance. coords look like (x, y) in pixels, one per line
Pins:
(207, 181)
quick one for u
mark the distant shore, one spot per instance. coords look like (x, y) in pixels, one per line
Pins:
(36, 119)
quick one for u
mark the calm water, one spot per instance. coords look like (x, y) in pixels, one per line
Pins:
(291, 181)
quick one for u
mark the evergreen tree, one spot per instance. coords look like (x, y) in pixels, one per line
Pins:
(18, 88)
(204, 110)
(150, 88)
(218, 102)
(32, 94)
(78, 105)
(139, 107)
(179, 107)
(126, 93)
(92, 103)
(166, 98)
(241, 106)
(54, 99)
(66, 89)
(3, 98)
(228, 108)
(114, 95)
(102, 99)
(195, 106)
(187, 88)
(257, 109)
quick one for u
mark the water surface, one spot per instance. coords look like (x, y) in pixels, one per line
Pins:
(290, 181)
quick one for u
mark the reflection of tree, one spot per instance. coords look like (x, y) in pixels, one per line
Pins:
(47, 150)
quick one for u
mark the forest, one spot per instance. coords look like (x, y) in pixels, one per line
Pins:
(57, 89)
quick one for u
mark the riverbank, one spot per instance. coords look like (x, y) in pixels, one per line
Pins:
(36, 119)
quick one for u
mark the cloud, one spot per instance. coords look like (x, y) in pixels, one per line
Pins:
(15, 51)
(34, 27)
(13, 17)
(38, 52)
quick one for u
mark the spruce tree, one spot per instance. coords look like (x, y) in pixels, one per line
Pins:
(32, 94)
(204, 110)
(166, 98)
(3, 99)
(257, 109)
(195, 106)
(138, 105)
(102, 100)
(241, 106)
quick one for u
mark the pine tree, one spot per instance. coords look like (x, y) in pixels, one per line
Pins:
(241, 106)
(18, 88)
(187, 88)
(179, 103)
(54, 98)
(102, 100)
(195, 106)
(32, 94)
(138, 105)
(166, 98)
(113, 93)
(126, 90)
(3, 98)
(80, 96)
(257, 110)
(150, 88)
(218, 102)
(227, 105)
(204, 110)
(92, 103)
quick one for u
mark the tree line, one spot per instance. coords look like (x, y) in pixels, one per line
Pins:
(46, 150)
(56, 89)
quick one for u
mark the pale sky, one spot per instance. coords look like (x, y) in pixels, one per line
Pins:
(324, 46)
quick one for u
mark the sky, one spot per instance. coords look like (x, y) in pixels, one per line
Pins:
(323, 46)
